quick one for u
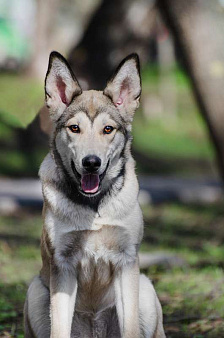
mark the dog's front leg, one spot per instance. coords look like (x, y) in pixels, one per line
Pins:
(127, 300)
(63, 289)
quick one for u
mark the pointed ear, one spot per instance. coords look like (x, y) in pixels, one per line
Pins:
(124, 88)
(61, 85)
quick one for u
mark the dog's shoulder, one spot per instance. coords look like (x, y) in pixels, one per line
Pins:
(48, 169)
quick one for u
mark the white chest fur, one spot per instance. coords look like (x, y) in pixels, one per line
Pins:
(109, 244)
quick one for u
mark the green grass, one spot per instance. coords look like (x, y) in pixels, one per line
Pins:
(11, 309)
(173, 139)
(19, 248)
(19, 262)
(195, 232)
(191, 295)
(193, 302)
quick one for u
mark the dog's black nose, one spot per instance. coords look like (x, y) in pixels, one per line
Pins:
(91, 163)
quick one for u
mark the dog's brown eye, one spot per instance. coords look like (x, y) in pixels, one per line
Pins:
(108, 130)
(74, 128)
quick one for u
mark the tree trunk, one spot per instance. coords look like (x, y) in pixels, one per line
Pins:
(166, 62)
(198, 27)
(117, 29)
(46, 13)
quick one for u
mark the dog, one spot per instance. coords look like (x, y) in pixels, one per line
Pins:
(89, 284)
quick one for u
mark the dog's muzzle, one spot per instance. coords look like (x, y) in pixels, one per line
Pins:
(90, 181)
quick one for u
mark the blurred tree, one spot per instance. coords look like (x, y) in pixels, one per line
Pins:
(44, 28)
(198, 27)
(166, 62)
(118, 28)
(115, 30)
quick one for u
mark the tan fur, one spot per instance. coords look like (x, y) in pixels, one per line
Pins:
(93, 101)
(89, 284)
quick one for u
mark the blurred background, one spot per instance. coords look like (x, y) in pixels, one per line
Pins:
(178, 141)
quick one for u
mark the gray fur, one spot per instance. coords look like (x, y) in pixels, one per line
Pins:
(89, 284)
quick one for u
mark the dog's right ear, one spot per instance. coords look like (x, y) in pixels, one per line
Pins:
(61, 85)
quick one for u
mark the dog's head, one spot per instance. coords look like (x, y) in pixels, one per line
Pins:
(92, 128)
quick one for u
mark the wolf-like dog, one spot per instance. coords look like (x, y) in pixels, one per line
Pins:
(89, 284)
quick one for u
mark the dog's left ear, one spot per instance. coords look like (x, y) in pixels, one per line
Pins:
(124, 88)
(61, 85)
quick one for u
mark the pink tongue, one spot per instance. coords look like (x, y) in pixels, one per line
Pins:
(90, 183)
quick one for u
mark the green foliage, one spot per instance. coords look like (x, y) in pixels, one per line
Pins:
(151, 74)
(182, 136)
(21, 98)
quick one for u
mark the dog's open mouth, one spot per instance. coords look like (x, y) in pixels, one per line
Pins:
(90, 182)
